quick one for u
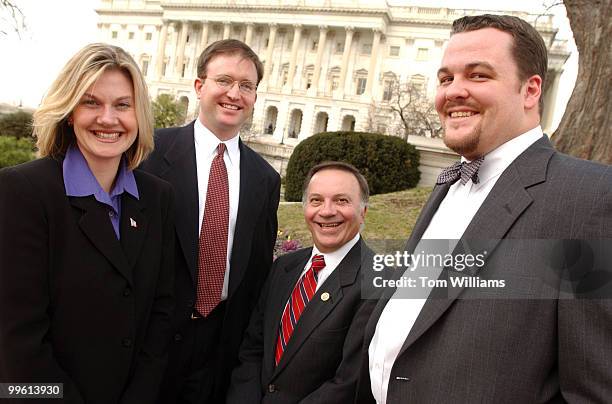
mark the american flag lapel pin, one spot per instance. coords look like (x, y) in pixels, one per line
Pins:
(133, 223)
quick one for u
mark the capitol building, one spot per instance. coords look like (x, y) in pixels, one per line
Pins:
(329, 64)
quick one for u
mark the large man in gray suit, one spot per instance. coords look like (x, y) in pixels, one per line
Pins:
(461, 344)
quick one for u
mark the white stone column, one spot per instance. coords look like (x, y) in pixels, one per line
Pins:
(297, 36)
(269, 51)
(373, 62)
(249, 33)
(345, 58)
(317, 69)
(161, 48)
(180, 49)
(549, 100)
(204, 37)
(226, 29)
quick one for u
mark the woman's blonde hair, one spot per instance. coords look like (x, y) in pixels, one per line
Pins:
(50, 122)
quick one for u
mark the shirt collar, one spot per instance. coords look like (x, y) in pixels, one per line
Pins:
(497, 160)
(334, 258)
(80, 181)
(206, 141)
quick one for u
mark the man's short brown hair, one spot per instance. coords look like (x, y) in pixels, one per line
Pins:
(228, 47)
(339, 165)
(528, 50)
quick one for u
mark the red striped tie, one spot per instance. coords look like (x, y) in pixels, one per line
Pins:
(301, 295)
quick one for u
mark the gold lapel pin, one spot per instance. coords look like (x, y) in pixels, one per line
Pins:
(325, 296)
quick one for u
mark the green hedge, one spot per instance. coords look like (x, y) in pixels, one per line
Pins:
(388, 163)
(17, 124)
(15, 151)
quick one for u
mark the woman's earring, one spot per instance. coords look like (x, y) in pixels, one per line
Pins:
(70, 122)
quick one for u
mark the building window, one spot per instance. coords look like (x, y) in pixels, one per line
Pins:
(285, 75)
(187, 41)
(388, 90)
(308, 80)
(339, 47)
(148, 36)
(114, 34)
(164, 66)
(361, 85)
(422, 54)
(394, 51)
(145, 67)
(314, 46)
(131, 35)
(366, 48)
(335, 82)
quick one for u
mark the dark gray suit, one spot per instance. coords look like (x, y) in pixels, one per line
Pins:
(464, 349)
(321, 361)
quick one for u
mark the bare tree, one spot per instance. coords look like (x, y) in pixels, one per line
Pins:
(585, 128)
(415, 111)
(12, 19)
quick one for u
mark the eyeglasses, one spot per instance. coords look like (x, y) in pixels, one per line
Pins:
(227, 83)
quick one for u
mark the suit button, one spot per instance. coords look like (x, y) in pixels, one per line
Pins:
(126, 342)
(190, 304)
(127, 292)
(272, 388)
(178, 337)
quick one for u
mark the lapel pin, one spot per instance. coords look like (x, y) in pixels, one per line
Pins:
(133, 223)
(325, 296)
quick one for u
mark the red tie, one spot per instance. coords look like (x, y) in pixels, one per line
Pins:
(301, 295)
(212, 252)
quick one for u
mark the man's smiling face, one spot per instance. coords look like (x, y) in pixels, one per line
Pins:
(332, 208)
(480, 99)
(224, 110)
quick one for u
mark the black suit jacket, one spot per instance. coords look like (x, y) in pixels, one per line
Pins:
(78, 306)
(511, 349)
(256, 226)
(321, 361)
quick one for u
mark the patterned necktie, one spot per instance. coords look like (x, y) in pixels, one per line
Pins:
(463, 170)
(301, 295)
(212, 252)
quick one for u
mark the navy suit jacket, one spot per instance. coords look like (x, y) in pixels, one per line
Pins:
(174, 160)
(77, 305)
(321, 361)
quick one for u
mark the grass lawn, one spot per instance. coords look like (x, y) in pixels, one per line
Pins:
(389, 216)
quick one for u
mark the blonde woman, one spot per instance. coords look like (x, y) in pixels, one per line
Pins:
(86, 241)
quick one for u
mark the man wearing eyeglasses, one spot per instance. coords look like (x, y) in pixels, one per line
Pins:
(227, 197)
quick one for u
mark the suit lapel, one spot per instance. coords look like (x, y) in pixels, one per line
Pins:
(249, 201)
(503, 206)
(181, 171)
(278, 298)
(317, 310)
(430, 208)
(133, 227)
(95, 224)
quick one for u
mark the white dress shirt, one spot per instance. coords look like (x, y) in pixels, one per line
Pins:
(206, 144)
(331, 261)
(452, 217)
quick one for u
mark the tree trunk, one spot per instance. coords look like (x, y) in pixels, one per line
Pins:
(585, 130)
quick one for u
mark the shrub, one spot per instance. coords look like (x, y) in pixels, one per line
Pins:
(17, 124)
(15, 151)
(388, 163)
(167, 111)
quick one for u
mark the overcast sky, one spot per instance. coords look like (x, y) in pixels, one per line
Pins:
(58, 28)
